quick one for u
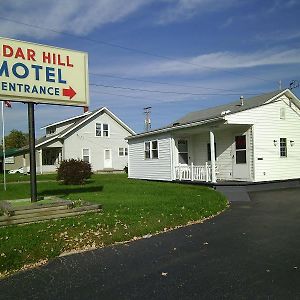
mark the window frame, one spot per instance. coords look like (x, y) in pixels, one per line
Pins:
(151, 150)
(89, 155)
(102, 130)
(283, 151)
(124, 151)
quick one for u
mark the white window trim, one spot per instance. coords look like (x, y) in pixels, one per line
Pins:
(151, 149)
(96, 130)
(102, 131)
(85, 155)
(286, 148)
(123, 148)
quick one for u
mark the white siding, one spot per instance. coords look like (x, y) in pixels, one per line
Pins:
(85, 137)
(154, 169)
(267, 127)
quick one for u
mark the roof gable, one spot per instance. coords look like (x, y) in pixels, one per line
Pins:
(229, 108)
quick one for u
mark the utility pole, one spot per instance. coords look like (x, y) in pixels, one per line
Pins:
(280, 84)
(147, 112)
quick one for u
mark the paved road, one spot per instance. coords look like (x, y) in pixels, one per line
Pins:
(252, 251)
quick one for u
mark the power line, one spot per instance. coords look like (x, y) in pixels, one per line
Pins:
(162, 83)
(132, 49)
(166, 92)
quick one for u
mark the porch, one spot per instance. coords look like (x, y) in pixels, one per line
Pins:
(210, 154)
(195, 173)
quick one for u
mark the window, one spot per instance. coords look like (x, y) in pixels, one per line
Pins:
(208, 152)
(154, 149)
(283, 147)
(240, 149)
(147, 150)
(86, 155)
(98, 129)
(282, 113)
(151, 150)
(105, 130)
(123, 151)
(183, 153)
(51, 130)
(102, 129)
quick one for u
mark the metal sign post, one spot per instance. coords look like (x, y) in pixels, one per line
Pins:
(31, 128)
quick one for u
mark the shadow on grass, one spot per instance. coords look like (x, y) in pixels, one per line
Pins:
(65, 190)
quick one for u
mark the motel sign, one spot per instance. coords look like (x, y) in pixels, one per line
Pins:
(42, 74)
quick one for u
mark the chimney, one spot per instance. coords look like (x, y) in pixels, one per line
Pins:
(242, 100)
(85, 109)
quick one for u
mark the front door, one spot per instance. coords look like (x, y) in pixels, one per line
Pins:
(183, 152)
(107, 159)
(240, 163)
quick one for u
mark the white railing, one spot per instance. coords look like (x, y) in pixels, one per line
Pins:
(193, 173)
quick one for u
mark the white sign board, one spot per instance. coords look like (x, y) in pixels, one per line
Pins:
(42, 74)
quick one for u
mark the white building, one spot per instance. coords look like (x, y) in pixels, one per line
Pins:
(255, 139)
(97, 137)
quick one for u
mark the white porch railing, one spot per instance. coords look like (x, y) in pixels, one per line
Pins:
(193, 173)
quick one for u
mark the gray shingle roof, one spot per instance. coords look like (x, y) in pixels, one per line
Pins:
(233, 107)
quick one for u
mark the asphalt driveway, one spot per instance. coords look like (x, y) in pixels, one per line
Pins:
(252, 251)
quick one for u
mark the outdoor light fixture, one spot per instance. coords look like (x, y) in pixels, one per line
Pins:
(292, 143)
(275, 143)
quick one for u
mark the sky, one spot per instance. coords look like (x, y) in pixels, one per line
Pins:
(175, 56)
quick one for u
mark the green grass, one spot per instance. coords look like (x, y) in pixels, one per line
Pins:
(131, 208)
(24, 177)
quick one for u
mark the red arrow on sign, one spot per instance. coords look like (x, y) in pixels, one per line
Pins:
(69, 92)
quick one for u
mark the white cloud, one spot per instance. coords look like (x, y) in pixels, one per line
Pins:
(74, 16)
(204, 63)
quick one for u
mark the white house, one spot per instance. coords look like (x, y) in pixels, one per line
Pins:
(97, 137)
(255, 139)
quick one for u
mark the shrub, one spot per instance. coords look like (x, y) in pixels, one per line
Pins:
(74, 171)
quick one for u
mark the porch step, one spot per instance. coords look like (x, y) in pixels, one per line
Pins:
(41, 214)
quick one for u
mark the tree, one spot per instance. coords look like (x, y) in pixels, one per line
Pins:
(16, 139)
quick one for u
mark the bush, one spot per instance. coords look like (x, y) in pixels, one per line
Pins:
(74, 171)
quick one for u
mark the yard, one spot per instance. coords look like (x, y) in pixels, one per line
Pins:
(131, 209)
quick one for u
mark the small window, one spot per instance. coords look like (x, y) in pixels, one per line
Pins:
(123, 151)
(282, 113)
(98, 129)
(105, 130)
(183, 153)
(240, 149)
(151, 150)
(154, 149)
(147, 150)
(51, 130)
(283, 147)
(102, 129)
(86, 155)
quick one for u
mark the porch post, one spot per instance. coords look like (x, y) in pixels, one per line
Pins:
(41, 161)
(212, 156)
(192, 171)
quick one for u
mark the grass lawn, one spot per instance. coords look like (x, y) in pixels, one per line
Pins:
(131, 208)
(23, 177)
